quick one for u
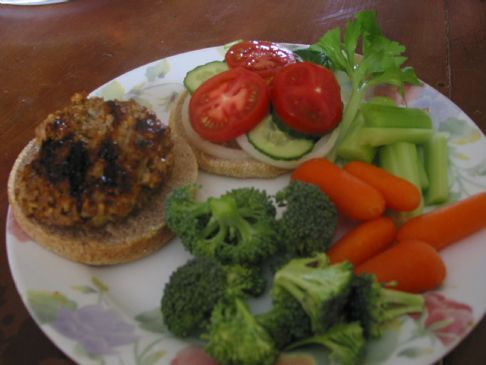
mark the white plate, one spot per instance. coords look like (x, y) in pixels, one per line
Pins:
(110, 315)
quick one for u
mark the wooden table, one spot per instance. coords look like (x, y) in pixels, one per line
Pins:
(49, 52)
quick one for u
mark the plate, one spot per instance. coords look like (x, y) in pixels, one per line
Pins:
(110, 315)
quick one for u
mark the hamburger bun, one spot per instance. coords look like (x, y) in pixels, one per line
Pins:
(242, 168)
(141, 233)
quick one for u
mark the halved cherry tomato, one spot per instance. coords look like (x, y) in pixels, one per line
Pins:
(264, 58)
(229, 104)
(307, 98)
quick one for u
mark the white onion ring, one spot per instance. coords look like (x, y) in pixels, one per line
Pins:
(204, 145)
(322, 147)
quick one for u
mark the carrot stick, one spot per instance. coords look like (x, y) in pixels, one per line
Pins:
(364, 241)
(447, 224)
(399, 194)
(415, 267)
(353, 197)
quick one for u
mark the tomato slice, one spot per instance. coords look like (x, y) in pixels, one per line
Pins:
(264, 58)
(229, 104)
(307, 98)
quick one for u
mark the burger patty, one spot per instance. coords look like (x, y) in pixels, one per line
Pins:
(97, 162)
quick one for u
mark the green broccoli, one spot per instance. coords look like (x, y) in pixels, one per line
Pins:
(372, 305)
(286, 321)
(309, 221)
(237, 228)
(195, 288)
(245, 280)
(236, 338)
(191, 294)
(345, 341)
(322, 289)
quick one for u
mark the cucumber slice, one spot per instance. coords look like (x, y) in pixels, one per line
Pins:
(273, 142)
(201, 73)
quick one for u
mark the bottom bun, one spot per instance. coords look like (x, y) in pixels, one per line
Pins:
(247, 168)
(139, 235)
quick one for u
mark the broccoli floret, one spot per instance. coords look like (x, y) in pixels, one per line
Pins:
(286, 321)
(191, 294)
(245, 280)
(239, 227)
(345, 341)
(195, 288)
(236, 338)
(372, 305)
(185, 215)
(322, 289)
(309, 221)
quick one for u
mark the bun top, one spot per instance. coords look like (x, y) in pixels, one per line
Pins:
(91, 186)
(241, 168)
(139, 234)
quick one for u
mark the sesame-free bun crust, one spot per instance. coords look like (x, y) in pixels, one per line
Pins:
(247, 168)
(140, 234)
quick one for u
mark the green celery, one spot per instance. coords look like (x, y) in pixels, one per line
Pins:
(424, 179)
(401, 159)
(381, 100)
(390, 116)
(351, 149)
(380, 62)
(436, 166)
(373, 136)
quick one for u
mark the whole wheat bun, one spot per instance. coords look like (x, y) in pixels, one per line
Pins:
(248, 168)
(139, 235)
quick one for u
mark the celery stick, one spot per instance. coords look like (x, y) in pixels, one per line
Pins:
(401, 159)
(350, 148)
(373, 136)
(436, 165)
(424, 179)
(387, 160)
(389, 116)
(382, 100)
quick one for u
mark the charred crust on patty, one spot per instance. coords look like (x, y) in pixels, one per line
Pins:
(98, 161)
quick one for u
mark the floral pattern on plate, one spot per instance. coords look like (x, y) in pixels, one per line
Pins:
(97, 331)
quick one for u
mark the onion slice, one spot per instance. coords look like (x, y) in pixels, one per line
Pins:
(213, 149)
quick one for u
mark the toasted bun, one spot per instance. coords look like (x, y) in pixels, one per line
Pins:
(248, 168)
(139, 235)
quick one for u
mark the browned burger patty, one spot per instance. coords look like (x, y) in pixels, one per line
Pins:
(96, 163)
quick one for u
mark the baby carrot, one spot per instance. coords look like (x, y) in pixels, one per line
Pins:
(364, 241)
(353, 197)
(447, 224)
(415, 267)
(399, 194)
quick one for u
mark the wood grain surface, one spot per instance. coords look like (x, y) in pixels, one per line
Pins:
(49, 52)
